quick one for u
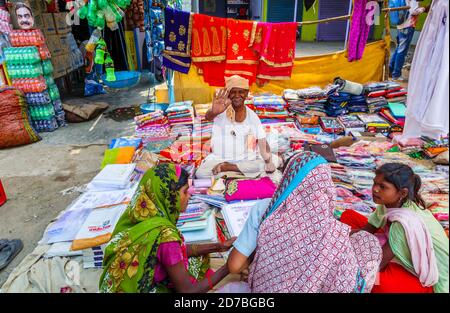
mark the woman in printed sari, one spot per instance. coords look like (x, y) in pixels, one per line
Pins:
(147, 252)
(296, 244)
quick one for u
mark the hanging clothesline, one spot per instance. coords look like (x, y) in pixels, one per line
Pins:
(346, 17)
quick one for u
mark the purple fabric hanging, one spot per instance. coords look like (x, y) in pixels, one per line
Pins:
(359, 31)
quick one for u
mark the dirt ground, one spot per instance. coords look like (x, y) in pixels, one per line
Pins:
(42, 179)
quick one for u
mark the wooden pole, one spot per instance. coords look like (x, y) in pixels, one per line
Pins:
(350, 12)
(347, 17)
(387, 24)
(327, 20)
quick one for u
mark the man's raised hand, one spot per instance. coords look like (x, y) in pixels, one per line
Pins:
(220, 101)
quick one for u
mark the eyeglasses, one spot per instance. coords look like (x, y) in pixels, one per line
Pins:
(233, 133)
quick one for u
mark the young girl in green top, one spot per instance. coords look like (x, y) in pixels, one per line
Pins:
(415, 246)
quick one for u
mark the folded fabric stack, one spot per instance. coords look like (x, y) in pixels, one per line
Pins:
(374, 105)
(351, 123)
(181, 130)
(152, 126)
(270, 109)
(114, 177)
(201, 186)
(195, 217)
(434, 147)
(308, 124)
(310, 100)
(352, 195)
(374, 122)
(388, 90)
(337, 104)
(180, 114)
(198, 223)
(357, 104)
(202, 127)
(395, 113)
(295, 104)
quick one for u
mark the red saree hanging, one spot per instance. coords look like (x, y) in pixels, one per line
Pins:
(276, 44)
(241, 59)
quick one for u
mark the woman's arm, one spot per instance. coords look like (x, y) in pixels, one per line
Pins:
(180, 278)
(388, 255)
(368, 228)
(204, 249)
(237, 262)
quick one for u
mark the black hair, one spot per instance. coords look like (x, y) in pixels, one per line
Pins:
(183, 180)
(402, 176)
(21, 5)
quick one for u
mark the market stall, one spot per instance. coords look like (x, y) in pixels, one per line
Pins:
(341, 110)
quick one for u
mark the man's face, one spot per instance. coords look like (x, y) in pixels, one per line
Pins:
(238, 96)
(24, 18)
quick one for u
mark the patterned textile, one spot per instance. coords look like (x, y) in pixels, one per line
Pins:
(177, 39)
(359, 31)
(209, 47)
(302, 247)
(241, 59)
(276, 44)
(150, 219)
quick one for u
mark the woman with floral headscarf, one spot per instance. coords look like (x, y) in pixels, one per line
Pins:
(147, 252)
(296, 243)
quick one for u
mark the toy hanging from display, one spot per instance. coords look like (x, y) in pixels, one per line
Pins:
(100, 51)
(101, 13)
(109, 68)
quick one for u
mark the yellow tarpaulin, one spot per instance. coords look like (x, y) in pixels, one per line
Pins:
(308, 71)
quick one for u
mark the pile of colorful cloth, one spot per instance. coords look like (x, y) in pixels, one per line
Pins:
(270, 109)
(309, 100)
(202, 127)
(181, 117)
(152, 126)
(389, 90)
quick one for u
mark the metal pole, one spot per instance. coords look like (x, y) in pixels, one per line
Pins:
(350, 8)
(295, 10)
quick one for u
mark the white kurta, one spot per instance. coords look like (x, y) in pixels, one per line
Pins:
(428, 90)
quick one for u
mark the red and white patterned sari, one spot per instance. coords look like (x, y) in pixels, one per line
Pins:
(302, 248)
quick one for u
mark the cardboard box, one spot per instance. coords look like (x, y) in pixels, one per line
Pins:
(67, 62)
(54, 45)
(59, 68)
(37, 6)
(64, 43)
(39, 21)
(49, 24)
(61, 24)
(57, 44)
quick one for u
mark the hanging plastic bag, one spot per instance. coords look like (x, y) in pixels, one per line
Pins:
(93, 40)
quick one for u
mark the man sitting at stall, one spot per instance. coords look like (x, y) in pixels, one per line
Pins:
(237, 135)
